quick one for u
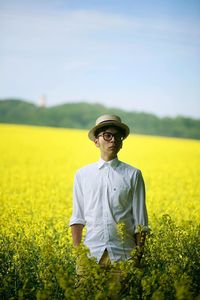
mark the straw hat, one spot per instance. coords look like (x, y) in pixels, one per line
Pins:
(108, 120)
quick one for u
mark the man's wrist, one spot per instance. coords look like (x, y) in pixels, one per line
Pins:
(139, 252)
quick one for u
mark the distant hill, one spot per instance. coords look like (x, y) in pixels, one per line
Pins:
(83, 115)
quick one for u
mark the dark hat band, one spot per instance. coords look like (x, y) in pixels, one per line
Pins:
(109, 121)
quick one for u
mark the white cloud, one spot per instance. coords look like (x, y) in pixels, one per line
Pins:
(86, 39)
(84, 24)
(77, 65)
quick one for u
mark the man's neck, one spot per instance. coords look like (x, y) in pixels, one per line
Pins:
(108, 158)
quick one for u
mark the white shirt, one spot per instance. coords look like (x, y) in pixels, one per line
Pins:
(105, 195)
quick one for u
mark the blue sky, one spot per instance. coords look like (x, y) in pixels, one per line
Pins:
(136, 55)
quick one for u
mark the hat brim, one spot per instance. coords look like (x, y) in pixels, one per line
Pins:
(91, 133)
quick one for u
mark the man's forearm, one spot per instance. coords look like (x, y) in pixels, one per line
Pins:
(140, 241)
(77, 234)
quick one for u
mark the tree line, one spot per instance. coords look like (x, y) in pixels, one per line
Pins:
(83, 115)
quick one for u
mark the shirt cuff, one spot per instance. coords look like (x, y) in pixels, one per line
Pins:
(141, 228)
(75, 220)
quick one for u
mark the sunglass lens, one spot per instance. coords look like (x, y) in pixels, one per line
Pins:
(107, 136)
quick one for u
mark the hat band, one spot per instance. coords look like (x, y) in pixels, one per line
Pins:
(108, 121)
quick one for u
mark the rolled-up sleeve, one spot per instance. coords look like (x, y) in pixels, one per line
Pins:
(139, 204)
(78, 202)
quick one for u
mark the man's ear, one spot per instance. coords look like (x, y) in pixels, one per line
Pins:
(96, 141)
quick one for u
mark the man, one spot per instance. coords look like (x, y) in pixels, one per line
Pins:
(109, 199)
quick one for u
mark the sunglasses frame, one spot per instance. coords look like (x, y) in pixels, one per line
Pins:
(112, 135)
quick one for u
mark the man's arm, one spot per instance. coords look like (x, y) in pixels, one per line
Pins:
(140, 215)
(77, 234)
(140, 241)
(77, 220)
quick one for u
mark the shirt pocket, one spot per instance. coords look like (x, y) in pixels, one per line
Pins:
(121, 195)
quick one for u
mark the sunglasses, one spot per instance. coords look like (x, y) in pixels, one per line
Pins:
(107, 136)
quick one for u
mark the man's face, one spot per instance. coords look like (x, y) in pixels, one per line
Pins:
(109, 148)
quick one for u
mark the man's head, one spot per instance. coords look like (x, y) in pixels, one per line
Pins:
(108, 120)
(108, 135)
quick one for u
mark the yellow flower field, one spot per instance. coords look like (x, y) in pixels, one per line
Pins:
(37, 259)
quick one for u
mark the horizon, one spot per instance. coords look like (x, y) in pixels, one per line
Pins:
(132, 56)
(98, 103)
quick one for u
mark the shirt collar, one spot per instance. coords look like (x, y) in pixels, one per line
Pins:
(113, 163)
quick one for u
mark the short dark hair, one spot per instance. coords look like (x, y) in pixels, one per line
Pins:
(104, 128)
